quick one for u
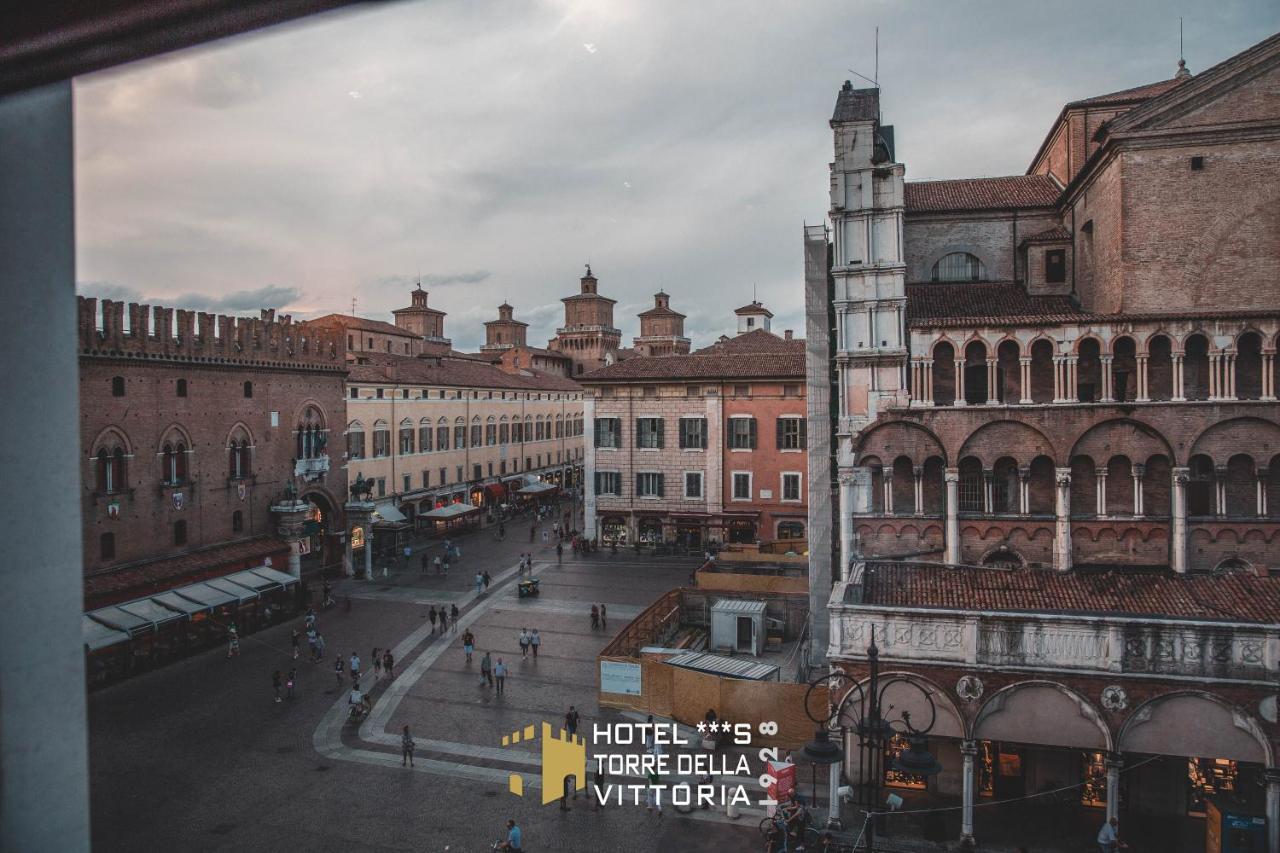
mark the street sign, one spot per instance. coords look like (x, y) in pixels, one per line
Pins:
(619, 677)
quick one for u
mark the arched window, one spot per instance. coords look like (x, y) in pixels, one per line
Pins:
(1249, 366)
(182, 388)
(1159, 368)
(248, 390)
(1089, 371)
(944, 374)
(904, 486)
(406, 437)
(311, 436)
(971, 485)
(173, 462)
(239, 458)
(355, 440)
(237, 522)
(876, 467)
(381, 439)
(117, 386)
(109, 468)
(958, 266)
(424, 435)
(1124, 367)
(975, 374)
(1009, 373)
(1195, 368)
(1041, 372)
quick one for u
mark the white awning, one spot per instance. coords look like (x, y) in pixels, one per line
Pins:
(207, 595)
(275, 575)
(173, 601)
(98, 636)
(254, 581)
(121, 620)
(154, 613)
(537, 489)
(242, 593)
(450, 511)
(388, 511)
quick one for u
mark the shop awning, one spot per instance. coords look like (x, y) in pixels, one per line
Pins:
(388, 511)
(497, 491)
(275, 575)
(242, 593)
(207, 595)
(98, 636)
(538, 489)
(173, 601)
(153, 612)
(254, 581)
(450, 511)
(121, 620)
(725, 667)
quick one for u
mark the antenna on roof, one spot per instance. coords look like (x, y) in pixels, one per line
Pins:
(353, 306)
(877, 80)
(1182, 72)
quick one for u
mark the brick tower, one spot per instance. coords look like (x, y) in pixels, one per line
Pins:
(661, 329)
(588, 334)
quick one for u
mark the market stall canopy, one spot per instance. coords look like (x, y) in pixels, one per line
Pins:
(98, 636)
(207, 595)
(275, 575)
(121, 620)
(254, 581)
(537, 489)
(389, 512)
(496, 491)
(450, 511)
(242, 593)
(177, 603)
(725, 667)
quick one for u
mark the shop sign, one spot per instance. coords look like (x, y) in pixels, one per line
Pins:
(619, 677)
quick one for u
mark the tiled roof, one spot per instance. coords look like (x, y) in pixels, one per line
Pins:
(453, 372)
(346, 321)
(984, 303)
(156, 576)
(1234, 597)
(1129, 96)
(1049, 235)
(724, 360)
(1014, 191)
(660, 312)
(856, 104)
(753, 308)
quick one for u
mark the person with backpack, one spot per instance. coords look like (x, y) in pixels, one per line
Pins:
(468, 643)
(407, 747)
(486, 670)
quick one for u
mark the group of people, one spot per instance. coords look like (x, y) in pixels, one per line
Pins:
(440, 562)
(599, 617)
(384, 662)
(482, 581)
(529, 641)
(444, 615)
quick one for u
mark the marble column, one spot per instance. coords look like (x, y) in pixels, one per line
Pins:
(1220, 490)
(1108, 380)
(1144, 379)
(1059, 383)
(888, 491)
(1100, 503)
(1062, 525)
(960, 401)
(1114, 764)
(952, 478)
(1138, 505)
(969, 754)
(1178, 542)
(1262, 492)
(1179, 387)
(1024, 490)
(993, 377)
(918, 474)
(1024, 380)
(988, 481)
(1268, 375)
(1215, 363)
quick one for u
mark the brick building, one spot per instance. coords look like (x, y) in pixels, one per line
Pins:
(1063, 383)
(192, 426)
(506, 344)
(588, 336)
(688, 449)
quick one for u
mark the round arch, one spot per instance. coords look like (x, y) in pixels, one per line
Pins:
(993, 440)
(1197, 724)
(900, 438)
(904, 694)
(307, 408)
(1254, 437)
(1120, 436)
(1044, 713)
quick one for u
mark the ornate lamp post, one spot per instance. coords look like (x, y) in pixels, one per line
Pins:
(875, 724)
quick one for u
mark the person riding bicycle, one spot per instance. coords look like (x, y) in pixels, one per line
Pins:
(356, 703)
(514, 839)
(793, 813)
(776, 839)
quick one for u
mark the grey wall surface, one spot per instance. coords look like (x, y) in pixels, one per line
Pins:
(820, 428)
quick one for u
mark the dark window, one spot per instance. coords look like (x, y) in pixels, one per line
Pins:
(693, 484)
(382, 487)
(426, 479)
(248, 390)
(608, 483)
(958, 266)
(742, 433)
(355, 393)
(1055, 266)
(742, 390)
(408, 484)
(649, 432)
(351, 344)
(117, 386)
(742, 487)
(237, 521)
(649, 485)
(693, 433)
(476, 433)
(107, 546)
(379, 393)
(477, 472)
(179, 533)
(182, 388)
(791, 487)
(791, 434)
(608, 432)
(1197, 163)
(370, 346)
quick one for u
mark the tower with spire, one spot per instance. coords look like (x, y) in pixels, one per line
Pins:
(424, 321)
(661, 329)
(504, 333)
(588, 336)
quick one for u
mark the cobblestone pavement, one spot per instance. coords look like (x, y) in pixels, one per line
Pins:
(198, 756)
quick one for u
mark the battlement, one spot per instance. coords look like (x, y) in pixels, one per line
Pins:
(115, 329)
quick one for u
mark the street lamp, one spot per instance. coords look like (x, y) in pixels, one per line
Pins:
(875, 725)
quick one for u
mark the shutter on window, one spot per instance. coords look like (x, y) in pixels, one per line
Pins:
(751, 433)
(597, 482)
(702, 432)
(637, 485)
(661, 429)
(804, 433)
(781, 426)
(638, 444)
(681, 436)
(596, 429)
(661, 489)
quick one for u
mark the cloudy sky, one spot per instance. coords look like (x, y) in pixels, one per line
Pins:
(493, 147)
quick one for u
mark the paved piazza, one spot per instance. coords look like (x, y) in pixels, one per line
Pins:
(198, 756)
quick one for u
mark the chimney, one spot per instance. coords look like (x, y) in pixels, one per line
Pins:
(787, 335)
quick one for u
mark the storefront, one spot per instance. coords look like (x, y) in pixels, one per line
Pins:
(450, 518)
(613, 530)
(649, 530)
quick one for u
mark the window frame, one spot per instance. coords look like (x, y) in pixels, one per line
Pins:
(782, 487)
(702, 485)
(733, 486)
(752, 434)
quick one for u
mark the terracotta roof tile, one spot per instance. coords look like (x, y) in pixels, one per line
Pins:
(1049, 235)
(1129, 96)
(1014, 191)
(985, 303)
(725, 360)
(1236, 597)
(346, 321)
(452, 372)
(153, 576)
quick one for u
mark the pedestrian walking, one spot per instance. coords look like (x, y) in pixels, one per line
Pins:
(319, 647)
(311, 644)
(233, 641)
(571, 721)
(487, 580)
(295, 637)
(595, 617)
(500, 673)
(468, 644)
(277, 680)
(604, 616)
(377, 662)
(534, 642)
(1109, 837)
(354, 666)
(290, 682)
(444, 567)
(310, 619)
(431, 614)
(426, 561)
(389, 664)
(559, 552)
(337, 669)
(408, 553)
(444, 619)
(453, 616)
(651, 797)
(436, 563)
(406, 748)
(479, 582)
(486, 670)
(524, 642)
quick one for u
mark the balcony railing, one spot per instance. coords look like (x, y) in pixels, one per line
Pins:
(311, 469)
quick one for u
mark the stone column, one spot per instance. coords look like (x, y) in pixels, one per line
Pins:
(1262, 492)
(1108, 381)
(1024, 380)
(952, 478)
(1215, 385)
(1144, 379)
(360, 516)
(960, 401)
(1268, 375)
(1024, 490)
(1178, 541)
(1179, 389)
(1220, 490)
(887, 482)
(988, 478)
(968, 752)
(993, 375)
(1058, 379)
(291, 516)
(1272, 777)
(1073, 378)
(1114, 764)
(1138, 508)
(1062, 526)
(846, 525)
(44, 777)
(928, 382)
(1100, 505)
(1229, 375)
(918, 474)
